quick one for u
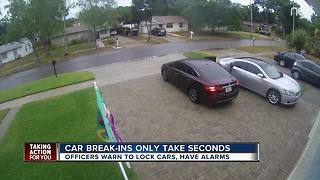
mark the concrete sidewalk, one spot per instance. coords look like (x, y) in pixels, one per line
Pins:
(105, 75)
(308, 166)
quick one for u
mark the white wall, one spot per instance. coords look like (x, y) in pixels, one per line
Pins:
(176, 27)
(23, 51)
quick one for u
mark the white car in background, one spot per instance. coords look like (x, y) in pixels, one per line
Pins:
(262, 77)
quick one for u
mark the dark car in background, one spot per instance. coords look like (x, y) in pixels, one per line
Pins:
(287, 59)
(159, 31)
(307, 70)
(265, 33)
(203, 80)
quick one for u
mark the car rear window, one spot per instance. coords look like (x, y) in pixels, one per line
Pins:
(213, 72)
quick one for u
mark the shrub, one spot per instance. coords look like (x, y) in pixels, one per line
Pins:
(298, 40)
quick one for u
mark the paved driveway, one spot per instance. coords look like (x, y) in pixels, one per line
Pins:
(148, 109)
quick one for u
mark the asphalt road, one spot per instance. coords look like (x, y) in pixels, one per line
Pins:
(125, 54)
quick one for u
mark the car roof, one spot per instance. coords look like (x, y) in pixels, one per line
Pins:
(257, 61)
(307, 60)
(197, 63)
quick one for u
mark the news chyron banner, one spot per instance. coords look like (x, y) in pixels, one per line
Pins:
(145, 152)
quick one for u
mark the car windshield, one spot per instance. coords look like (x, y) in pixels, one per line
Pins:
(272, 72)
(299, 56)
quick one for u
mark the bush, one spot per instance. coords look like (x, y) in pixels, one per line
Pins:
(298, 40)
(314, 44)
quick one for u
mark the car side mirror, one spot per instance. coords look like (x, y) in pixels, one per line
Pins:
(260, 75)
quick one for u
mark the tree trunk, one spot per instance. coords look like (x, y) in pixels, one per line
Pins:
(95, 35)
(148, 29)
(35, 48)
(47, 45)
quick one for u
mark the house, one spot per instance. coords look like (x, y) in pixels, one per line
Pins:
(170, 23)
(79, 33)
(15, 50)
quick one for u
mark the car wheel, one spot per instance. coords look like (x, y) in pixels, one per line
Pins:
(274, 97)
(164, 75)
(296, 74)
(282, 63)
(193, 95)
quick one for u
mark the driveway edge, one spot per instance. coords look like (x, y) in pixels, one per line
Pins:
(304, 168)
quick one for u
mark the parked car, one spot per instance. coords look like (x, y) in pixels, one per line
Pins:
(115, 31)
(203, 80)
(306, 70)
(261, 77)
(159, 32)
(287, 59)
(265, 33)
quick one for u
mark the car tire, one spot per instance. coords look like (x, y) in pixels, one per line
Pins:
(164, 75)
(282, 63)
(193, 95)
(274, 97)
(296, 74)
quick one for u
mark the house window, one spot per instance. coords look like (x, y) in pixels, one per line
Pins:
(181, 24)
(160, 25)
(169, 25)
(4, 55)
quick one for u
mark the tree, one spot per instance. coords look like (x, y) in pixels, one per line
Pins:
(142, 11)
(298, 40)
(122, 14)
(34, 19)
(279, 11)
(96, 13)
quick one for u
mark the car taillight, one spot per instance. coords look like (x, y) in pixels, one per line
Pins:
(237, 82)
(214, 89)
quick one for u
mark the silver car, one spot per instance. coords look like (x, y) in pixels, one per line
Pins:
(263, 78)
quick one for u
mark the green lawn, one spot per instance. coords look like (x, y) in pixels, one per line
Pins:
(3, 114)
(261, 49)
(55, 53)
(44, 85)
(209, 35)
(198, 54)
(66, 118)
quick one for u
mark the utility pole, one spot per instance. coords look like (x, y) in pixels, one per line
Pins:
(64, 31)
(251, 17)
(294, 14)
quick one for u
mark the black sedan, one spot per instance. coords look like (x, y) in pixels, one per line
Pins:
(306, 70)
(159, 32)
(203, 80)
(287, 59)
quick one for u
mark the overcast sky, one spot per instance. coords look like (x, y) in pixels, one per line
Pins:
(305, 10)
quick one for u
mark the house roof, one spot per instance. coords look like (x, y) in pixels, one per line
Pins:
(165, 19)
(9, 47)
(76, 28)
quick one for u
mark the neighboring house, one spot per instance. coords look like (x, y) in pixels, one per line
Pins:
(170, 23)
(15, 50)
(78, 33)
(246, 26)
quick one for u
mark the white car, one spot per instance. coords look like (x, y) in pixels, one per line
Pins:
(262, 77)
